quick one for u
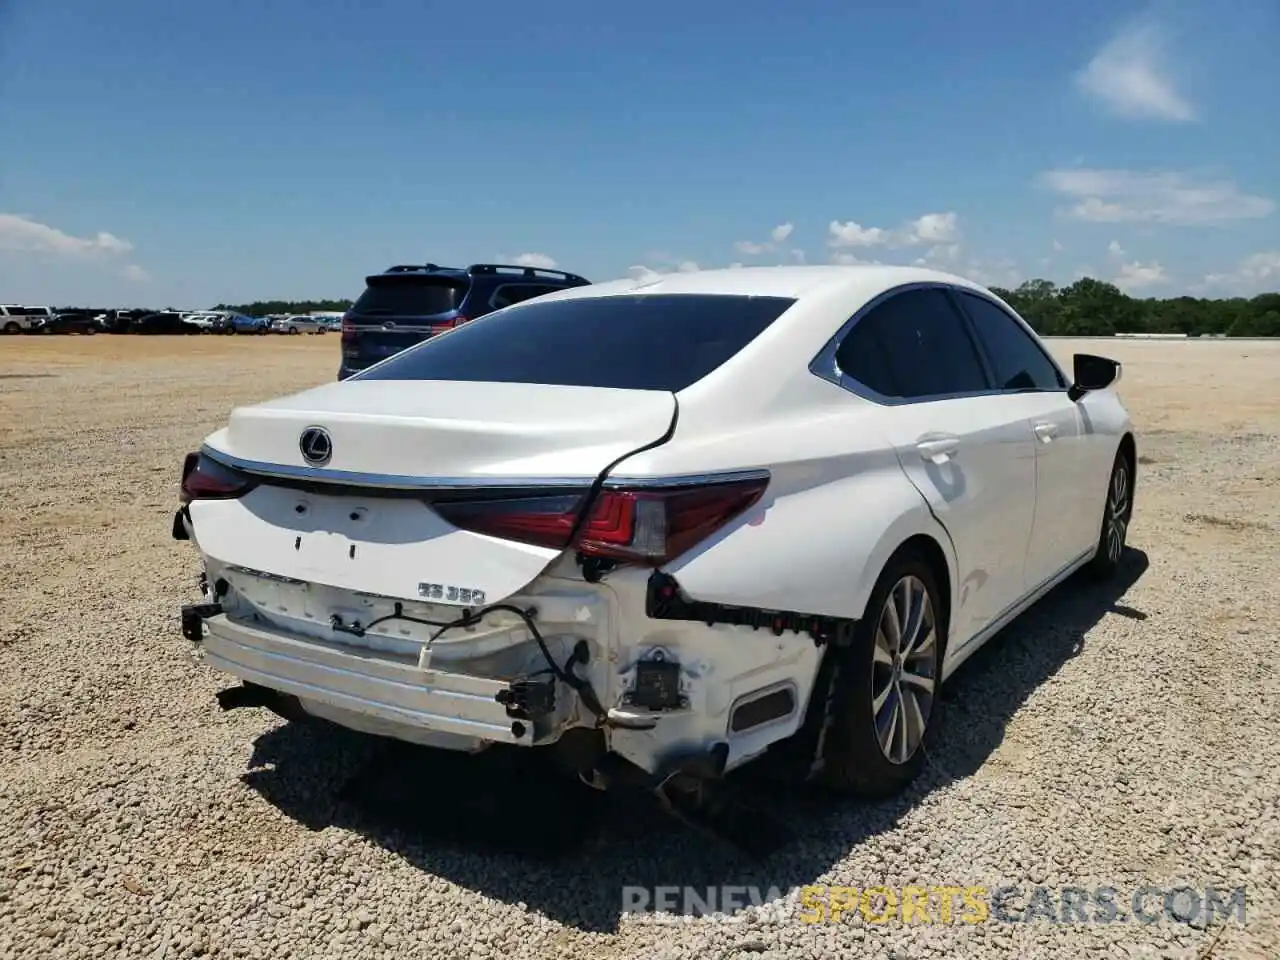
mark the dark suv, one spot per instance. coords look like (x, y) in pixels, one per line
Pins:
(407, 304)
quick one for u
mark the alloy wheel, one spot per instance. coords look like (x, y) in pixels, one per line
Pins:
(1117, 512)
(904, 669)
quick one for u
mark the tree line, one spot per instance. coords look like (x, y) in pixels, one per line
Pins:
(1094, 308)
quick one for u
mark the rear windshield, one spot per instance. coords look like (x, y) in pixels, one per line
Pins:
(642, 342)
(410, 296)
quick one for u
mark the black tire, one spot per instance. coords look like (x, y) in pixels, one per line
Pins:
(846, 743)
(12, 328)
(1117, 513)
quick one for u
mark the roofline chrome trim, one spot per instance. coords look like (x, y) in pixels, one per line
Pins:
(400, 482)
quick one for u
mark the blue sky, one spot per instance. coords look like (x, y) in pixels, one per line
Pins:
(158, 152)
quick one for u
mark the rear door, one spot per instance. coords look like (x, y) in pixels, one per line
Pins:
(969, 452)
(1066, 515)
(398, 310)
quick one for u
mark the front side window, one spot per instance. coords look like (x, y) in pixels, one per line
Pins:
(630, 342)
(913, 346)
(1018, 362)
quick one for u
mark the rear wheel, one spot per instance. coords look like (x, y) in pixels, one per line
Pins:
(881, 697)
(12, 328)
(1117, 511)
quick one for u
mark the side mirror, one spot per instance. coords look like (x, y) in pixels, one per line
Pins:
(1092, 373)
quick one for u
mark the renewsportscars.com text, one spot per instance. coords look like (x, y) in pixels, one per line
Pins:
(940, 903)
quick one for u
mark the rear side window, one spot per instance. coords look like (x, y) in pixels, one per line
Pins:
(641, 342)
(1018, 361)
(407, 296)
(913, 346)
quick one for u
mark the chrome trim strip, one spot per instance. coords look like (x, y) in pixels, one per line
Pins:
(686, 479)
(358, 479)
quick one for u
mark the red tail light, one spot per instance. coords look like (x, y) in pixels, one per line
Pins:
(448, 324)
(650, 526)
(205, 479)
(348, 329)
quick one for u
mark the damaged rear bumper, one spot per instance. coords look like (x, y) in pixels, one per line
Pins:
(327, 677)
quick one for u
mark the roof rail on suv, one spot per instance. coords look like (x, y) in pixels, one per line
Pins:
(524, 271)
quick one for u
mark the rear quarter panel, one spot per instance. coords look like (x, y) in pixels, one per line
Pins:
(837, 507)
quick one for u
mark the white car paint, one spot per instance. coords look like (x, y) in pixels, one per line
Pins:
(1010, 488)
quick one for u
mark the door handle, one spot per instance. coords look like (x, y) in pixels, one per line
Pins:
(938, 449)
(1046, 431)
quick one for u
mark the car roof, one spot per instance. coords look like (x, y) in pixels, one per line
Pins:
(793, 282)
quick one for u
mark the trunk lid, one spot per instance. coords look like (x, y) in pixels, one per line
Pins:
(363, 521)
(427, 430)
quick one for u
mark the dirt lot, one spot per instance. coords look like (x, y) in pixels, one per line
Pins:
(1125, 739)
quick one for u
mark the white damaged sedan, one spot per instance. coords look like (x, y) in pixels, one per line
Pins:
(660, 527)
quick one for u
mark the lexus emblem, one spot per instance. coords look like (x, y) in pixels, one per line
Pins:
(316, 446)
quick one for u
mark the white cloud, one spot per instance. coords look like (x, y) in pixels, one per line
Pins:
(1058, 247)
(851, 234)
(930, 228)
(135, 273)
(777, 236)
(1134, 277)
(851, 259)
(661, 262)
(1256, 273)
(1115, 249)
(1167, 197)
(995, 272)
(934, 228)
(19, 233)
(642, 273)
(534, 260)
(736, 265)
(1131, 76)
(798, 256)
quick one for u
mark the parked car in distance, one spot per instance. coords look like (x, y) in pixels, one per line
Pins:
(15, 318)
(297, 324)
(408, 304)
(207, 321)
(121, 321)
(165, 322)
(508, 535)
(240, 323)
(70, 322)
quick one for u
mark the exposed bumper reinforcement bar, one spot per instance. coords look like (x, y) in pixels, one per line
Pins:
(393, 689)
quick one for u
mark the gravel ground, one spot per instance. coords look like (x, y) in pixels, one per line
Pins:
(1124, 738)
